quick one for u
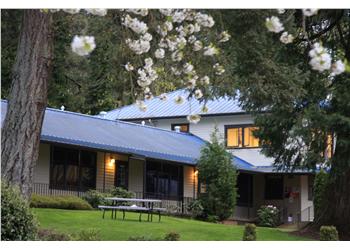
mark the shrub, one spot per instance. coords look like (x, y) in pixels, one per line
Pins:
(143, 238)
(320, 189)
(249, 232)
(17, 220)
(196, 209)
(62, 202)
(328, 233)
(268, 216)
(51, 235)
(219, 176)
(172, 236)
(88, 235)
(121, 192)
(95, 198)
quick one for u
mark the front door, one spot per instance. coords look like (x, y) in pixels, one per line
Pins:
(245, 190)
(121, 174)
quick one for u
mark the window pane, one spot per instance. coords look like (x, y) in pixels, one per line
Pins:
(72, 176)
(87, 159)
(57, 175)
(88, 178)
(329, 146)
(249, 139)
(234, 137)
(274, 187)
(185, 128)
(122, 175)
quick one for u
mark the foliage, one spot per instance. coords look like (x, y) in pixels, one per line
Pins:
(95, 198)
(51, 235)
(328, 233)
(143, 238)
(319, 196)
(172, 236)
(87, 235)
(219, 175)
(121, 192)
(62, 202)
(17, 220)
(196, 209)
(249, 232)
(268, 216)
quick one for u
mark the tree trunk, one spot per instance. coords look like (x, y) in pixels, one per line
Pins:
(27, 101)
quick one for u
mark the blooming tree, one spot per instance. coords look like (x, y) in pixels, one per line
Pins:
(175, 46)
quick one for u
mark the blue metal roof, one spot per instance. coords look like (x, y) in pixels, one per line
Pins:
(157, 108)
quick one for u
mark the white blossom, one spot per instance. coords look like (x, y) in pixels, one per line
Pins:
(274, 24)
(141, 105)
(197, 28)
(166, 12)
(194, 118)
(198, 45)
(219, 69)
(205, 109)
(141, 12)
(168, 25)
(310, 12)
(189, 29)
(281, 11)
(159, 53)
(83, 45)
(205, 80)
(210, 51)
(129, 67)
(179, 99)
(139, 46)
(71, 11)
(338, 67)
(147, 37)
(198, 94)
(97, 12)
(177, 56)
(191, 83)
(134, 24)
(192, 39)
(176, 71)
(148, 63)
(178, 16)
(286, 38)
(187, 68)
(146, 90)
(163, 97)
(320, 58)
(224, 37)
(204, 20)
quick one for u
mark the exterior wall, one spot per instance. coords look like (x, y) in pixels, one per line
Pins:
(206, 126)
(136, 168)
(307, 209)
(42, 170)
(190, 182)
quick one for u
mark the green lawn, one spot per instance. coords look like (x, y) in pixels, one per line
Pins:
(73, 221)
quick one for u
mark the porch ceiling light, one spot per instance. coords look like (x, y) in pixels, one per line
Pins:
(195, 173)
(111, 162)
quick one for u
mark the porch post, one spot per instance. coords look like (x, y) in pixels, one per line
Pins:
(144, 178)
(104, 172)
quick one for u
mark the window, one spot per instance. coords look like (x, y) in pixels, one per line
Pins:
(329, 147)
(72, 169)
(184, 127)
(121, 175)
(241, 137)
(245, 190)
(164, 180)
(273, 187)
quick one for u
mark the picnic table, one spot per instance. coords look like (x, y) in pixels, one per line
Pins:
(147, 207)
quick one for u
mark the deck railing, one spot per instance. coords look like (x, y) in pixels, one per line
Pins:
(173, 204)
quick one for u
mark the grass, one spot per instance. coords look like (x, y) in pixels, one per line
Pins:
(73, 221)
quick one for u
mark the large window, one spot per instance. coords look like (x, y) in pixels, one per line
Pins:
(72, 169)
(245, 190)
(121, 175)
(241, 137)
(273, 187)
(184, 127)
(164, 180)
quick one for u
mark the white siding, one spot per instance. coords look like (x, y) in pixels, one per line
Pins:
(42, 170)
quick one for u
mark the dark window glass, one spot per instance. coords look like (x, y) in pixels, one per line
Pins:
(184, 127)
(73, 169)
(310, 181)
(164, 180)
(245, 190)
(273, 187)
(122, 174)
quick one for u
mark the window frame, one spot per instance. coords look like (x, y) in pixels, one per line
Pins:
(243, 127)
(173, 125)
(116, 174)
(64, 186)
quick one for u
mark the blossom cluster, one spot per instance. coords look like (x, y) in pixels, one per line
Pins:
(178, 36)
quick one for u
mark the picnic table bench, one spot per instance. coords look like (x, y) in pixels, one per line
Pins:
(149, 208)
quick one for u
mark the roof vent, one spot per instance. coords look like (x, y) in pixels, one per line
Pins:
(103, 114)
(143, 123)
(62, 108)
(177, 128)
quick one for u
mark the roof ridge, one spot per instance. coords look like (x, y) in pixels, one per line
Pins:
(116, 121)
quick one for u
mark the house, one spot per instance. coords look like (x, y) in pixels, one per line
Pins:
(258, 182)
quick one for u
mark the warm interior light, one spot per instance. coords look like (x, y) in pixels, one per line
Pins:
(195, 173)
(111, 162)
